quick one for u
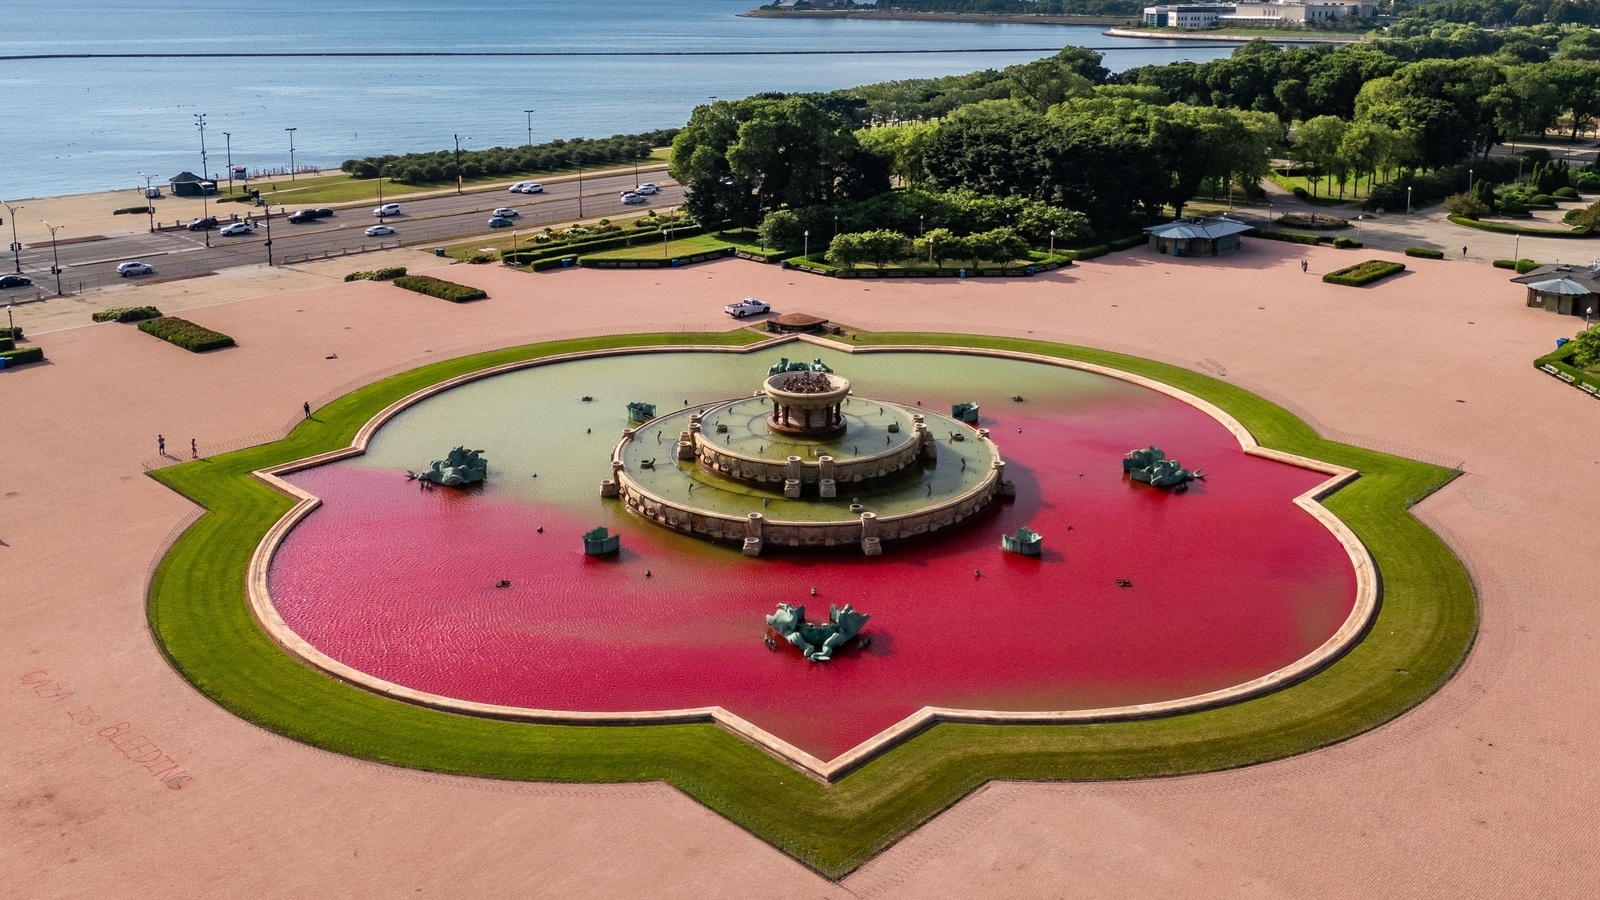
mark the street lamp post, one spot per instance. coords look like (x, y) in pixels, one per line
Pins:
(16, 247)
(1052, 242)
(920, 219)
(580, 190)
(149, 208)
(1408, 199)
(291, 151)
(269, 235)
(205, 208)
(458, 164)
(55, 268)
(530, 126)
(835, 226)
(228, 136)
(807, 246)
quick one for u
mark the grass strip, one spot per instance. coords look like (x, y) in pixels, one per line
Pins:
(201, 619)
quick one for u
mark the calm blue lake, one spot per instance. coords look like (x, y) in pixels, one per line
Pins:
(92, 124)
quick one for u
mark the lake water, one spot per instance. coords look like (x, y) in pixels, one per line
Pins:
(89, 124)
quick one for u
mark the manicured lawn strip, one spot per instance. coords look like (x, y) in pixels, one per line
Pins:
(685, 246)
(201, 619)
(1363, 273)
(1501, 228)
(186, 334)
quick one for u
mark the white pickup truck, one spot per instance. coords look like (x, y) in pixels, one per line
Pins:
(749, 306)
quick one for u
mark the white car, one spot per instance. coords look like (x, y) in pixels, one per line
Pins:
(647, 188)
(632, 199)
(506, 212)
(532, 187)
(749, 306)
(237, 228)
(379, 231)
(135, 268)
(388, 209)
(518, 187)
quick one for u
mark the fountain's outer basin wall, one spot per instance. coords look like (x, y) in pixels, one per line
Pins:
(714, 526)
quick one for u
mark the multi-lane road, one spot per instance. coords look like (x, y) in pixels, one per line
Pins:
(432, 220)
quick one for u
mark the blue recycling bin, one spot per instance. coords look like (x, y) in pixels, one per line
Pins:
(1561, 342)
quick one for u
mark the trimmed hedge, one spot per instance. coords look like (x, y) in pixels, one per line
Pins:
(127, 314)
(1364, 273)
(388, 274)
(25, 355)
(1498, 228)
(1293, 237)
(186, 334)
(1524, 266)
(1428, 253)
(438, 287)
(1344, 243)
(1561, 361)
(7, 344)
(1500, 263)
(13, 333)
(131, 210)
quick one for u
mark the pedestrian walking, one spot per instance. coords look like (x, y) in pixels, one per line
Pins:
(161, 444)
(1463, 253)
(194, 450)
(307, 407)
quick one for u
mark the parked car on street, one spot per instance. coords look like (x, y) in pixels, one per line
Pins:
(749, 306)
(14, 281)
(647, 188)
(203, 224)
(236, 229)
(135, 268)
(388, 209)
(500, 222)
(506, 212)
(379, 231)
(632, 199)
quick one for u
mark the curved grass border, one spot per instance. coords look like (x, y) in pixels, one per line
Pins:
(201, 620)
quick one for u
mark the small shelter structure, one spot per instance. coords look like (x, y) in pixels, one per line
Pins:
(798, 323)
(188, 184)
(1564, 289)
(1200, 236)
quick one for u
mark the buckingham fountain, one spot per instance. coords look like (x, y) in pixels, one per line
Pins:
(803, 462)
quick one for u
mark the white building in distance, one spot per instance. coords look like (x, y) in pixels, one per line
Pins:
(1267, 12)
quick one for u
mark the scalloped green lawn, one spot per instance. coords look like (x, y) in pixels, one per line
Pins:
(201, 619)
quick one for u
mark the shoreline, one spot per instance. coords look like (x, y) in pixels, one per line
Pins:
(911, 16)
(1228, 37)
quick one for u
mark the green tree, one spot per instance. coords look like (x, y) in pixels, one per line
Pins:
(938, 245)
(782, 229)
(904, 145)
(1317, 143)
(847, 251)
(882, 246)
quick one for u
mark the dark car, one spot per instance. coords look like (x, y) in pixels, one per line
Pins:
(11, 281)
(203, 224)
(303, 215)
(323, 213)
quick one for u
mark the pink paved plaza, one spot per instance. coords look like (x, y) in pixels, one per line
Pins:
(1486, 790)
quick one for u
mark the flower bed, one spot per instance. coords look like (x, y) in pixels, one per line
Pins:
(186, 334)
(1364, 273)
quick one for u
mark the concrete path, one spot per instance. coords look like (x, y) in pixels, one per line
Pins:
(1487, 790)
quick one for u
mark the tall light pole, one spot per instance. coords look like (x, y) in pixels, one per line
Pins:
(16, 248)
(228, 136)
(1052, 242)
(806, 254)
(205, 209)
(1408, 199)
(530, 126)
(149, 208)
(55, 269)
(458, 164)
(580, 190)
(291, 151)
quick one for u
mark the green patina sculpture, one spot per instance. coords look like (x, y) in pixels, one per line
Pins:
(817, 642)
(598, 542)
(1025, 542)
(641, 412)
(1152, 467)
(783, 365)
(966, 412)
(460, 466)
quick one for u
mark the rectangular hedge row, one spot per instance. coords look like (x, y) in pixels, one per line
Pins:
(609, 242)
(1426, 253)
(1499, 228)
(1293, 237)
(438, 287)
(186, 334)
(13, 333)
(25, 355)
(1364, 273)
(127, 314)
(388, 274)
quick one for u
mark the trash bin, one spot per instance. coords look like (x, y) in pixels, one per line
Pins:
(1561, 342)
(438, 251)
